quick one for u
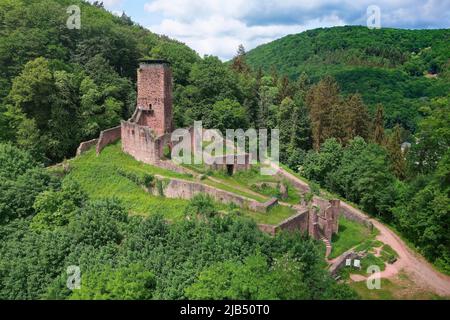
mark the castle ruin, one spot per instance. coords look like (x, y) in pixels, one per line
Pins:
(148, 132)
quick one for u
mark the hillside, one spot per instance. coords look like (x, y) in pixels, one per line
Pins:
(401, 69)
(50, 73)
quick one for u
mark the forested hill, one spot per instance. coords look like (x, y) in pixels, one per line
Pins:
(60, 86)
(390, 66)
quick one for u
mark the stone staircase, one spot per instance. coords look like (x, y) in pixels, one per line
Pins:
(328, 246)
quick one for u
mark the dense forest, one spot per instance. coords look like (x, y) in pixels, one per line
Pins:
(385, 66)
(344, 99)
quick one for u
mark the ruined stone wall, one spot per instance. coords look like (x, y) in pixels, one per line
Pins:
(169, 165)
(184, 189)
(346, 210)
(107, 137)
(140, 142)
(325, 218)
(339, 263)
(85, 146)
(298, 222)
(239, 162)
(352, 214)
(301, 186)
(263, 207)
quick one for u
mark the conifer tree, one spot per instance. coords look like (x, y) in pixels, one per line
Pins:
(239, 64)
(355, 118)
(321, 99)
(378, 126)
(285, 88)
(396, 156)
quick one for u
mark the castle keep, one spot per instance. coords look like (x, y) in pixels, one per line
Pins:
(145, 135)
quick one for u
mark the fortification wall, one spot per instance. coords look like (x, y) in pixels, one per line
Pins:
(298, 222)
(169, 165)
(303, 187)
(355, 215)
(339, 263)
(183, 189)
(107, 137)
(85, 146)
(140, 142)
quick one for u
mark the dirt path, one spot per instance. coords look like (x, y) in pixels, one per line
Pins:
(421, 272)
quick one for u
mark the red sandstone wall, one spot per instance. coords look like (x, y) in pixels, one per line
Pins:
(297, 222)
(85, 146)
(139, 142)
(353, 214)
(155, 94)
(107, 137)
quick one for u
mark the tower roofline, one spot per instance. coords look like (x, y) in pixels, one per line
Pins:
(153, 61)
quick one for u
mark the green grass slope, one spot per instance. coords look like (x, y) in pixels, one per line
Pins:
(100, 178)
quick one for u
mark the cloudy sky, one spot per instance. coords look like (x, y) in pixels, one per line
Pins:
(218, 26)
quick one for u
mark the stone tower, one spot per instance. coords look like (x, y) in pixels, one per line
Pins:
(154, 84)
(149, 130)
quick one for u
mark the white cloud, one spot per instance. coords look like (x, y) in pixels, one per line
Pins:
(219, 26)
(212, 28)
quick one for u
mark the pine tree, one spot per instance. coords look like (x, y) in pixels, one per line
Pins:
(396, 156)
(356, 118)
(239, 64)
(285, 88)
(338, 122)
(321, 100)
(378, 126)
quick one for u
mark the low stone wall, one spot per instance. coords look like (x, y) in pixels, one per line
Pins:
(263, 207)
(297, 222)
(85, 146)
(339, 263)
(184, 189)
(353, 214)
(107, 137)
(303, 187)
(169, 165)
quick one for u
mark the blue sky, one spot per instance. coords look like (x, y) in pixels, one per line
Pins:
(218, 26)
